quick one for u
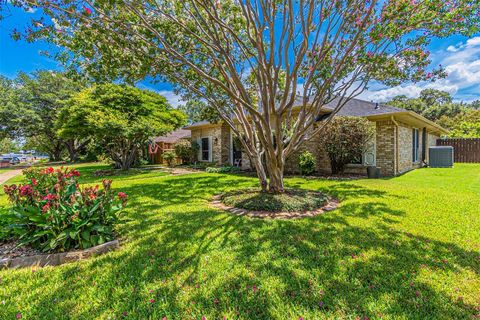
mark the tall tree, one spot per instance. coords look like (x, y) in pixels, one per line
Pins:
(11, 112)
(432, 104)
(120, 117)
(198, 110)
(299, 55)
(40, 97)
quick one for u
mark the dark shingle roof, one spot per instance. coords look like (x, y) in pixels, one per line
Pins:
(354, 107)
(174, 136)
(361, 108)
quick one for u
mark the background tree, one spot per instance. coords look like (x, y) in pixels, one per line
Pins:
(346, 140)
(463, 125)
(121, 118)
(7, 145)
(41, 96)
(432, 104)
(270, 65)
(11, 112)
(199, 110)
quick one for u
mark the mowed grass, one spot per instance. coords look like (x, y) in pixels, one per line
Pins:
(400, 248)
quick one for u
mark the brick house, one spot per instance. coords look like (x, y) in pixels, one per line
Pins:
(400, 144)
(162, 144)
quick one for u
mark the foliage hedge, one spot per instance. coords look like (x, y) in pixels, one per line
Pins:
(292, 200)
(226, 169)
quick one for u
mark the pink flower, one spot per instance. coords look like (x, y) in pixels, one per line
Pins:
(164, 318)
(152, 300)
(369, 54)
(204, 318)
(46, 207)
(50, 197)
(19, 315)
(26, 190)
(88, 11)
(34, 181)
(122, 195)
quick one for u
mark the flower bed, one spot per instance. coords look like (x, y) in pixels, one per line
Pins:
(51, 212)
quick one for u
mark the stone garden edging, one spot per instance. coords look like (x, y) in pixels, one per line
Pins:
(330, 204)
(56, 259)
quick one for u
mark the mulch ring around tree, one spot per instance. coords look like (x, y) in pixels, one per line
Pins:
(274, 212)
(13, 256)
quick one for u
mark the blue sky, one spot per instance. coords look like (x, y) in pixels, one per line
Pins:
(459, 55)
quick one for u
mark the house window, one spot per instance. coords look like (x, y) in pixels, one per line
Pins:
(415, 145)
(205, 143)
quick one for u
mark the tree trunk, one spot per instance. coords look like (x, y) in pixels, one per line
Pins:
(262, 177)
(72, 150)
(275, 176)
(56, 152)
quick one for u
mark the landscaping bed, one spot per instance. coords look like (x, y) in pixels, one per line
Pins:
(292, 200)
(293, 203)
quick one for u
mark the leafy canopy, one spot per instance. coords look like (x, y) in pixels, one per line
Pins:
(110, 111)
(121, 117)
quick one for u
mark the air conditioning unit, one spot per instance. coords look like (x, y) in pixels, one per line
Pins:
(440, 157)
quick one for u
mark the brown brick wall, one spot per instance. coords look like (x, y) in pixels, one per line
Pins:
(386, 147)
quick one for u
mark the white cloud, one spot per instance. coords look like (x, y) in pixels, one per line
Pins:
(462, 64)
(174, 99)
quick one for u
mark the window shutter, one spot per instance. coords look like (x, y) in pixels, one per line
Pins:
(210, 149)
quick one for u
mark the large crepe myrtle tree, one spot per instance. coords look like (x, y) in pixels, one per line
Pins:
(119, 117)
(266, 66)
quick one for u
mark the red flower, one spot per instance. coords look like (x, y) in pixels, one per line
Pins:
(88, 11)
(49, 170)
(75, 173)
(26, 190)
(122, 195)
(34, 181)
(152, 300)
(50, 197)
(46, 207)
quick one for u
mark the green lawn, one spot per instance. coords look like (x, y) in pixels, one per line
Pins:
(400, 248)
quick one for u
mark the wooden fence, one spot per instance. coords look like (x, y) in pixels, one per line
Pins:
(464, 149)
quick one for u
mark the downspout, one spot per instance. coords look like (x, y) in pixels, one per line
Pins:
(396, 145)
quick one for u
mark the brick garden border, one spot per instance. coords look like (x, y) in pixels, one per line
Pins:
(56, 259)
(330, 204)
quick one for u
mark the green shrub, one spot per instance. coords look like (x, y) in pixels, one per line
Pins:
(51, 211)
(170, 157)
(345, 140)
(291, 200)
(307, 163)
(187, 151)
(226, 169)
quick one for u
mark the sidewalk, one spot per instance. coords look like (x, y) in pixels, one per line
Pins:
(9, 174)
